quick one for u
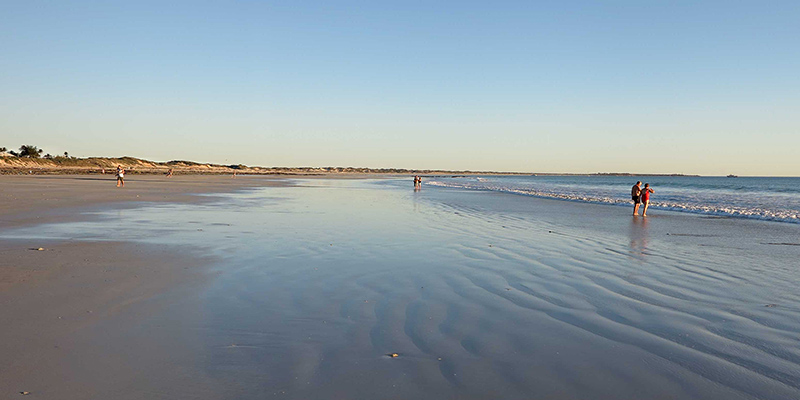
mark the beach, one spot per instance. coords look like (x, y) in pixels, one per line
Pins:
(209, 287)
(71, 310)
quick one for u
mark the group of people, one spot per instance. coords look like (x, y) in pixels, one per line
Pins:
(121, 176)
(641, 196)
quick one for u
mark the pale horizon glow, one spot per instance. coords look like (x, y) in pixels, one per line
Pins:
(707, 88)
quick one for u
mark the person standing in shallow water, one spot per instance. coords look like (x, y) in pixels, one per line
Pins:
(646, 197)
(636, 192)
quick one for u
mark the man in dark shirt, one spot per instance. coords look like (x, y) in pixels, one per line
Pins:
(636, 191)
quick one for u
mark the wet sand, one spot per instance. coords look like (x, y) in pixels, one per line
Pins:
(303, 292)
(73, 312)
(48, 198)
(78, 320)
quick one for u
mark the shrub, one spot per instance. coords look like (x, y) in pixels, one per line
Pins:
(30, 151)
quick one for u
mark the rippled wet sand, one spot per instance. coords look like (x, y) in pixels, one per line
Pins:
(481, 295)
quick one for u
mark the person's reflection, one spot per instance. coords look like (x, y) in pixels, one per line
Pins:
(639, 236)
(415, 200)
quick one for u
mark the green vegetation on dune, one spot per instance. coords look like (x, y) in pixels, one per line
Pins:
(12, 162)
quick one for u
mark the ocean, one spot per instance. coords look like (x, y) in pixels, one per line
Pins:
(765, 198)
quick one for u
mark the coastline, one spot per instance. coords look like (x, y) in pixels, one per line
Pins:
(11, 165)
(302, 288)
(48, 198)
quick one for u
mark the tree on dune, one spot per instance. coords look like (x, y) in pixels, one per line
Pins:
(30, 151)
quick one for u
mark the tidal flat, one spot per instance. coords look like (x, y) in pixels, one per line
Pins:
(365, 288)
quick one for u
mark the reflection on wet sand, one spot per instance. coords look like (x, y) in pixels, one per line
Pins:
(480, 295)
(638, 237)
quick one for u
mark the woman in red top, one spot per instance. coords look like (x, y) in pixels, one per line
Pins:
(646, 197)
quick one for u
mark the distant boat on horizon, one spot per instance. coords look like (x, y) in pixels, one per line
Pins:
(732, 176)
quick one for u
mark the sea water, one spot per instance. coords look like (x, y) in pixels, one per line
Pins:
(766, 198)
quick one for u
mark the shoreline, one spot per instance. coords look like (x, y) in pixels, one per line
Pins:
(771, 199)
(53, 198)
(503, 296)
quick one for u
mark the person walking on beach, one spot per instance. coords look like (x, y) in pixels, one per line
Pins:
(169, 173)
(636, 192)
(417, 182)
(646, 197)
(120, 176)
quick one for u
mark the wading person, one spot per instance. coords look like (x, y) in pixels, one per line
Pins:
(646, 197)
(636, 192)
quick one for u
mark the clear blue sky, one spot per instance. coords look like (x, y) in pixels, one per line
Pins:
(708, 87)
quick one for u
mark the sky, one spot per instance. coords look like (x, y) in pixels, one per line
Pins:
(694, 87)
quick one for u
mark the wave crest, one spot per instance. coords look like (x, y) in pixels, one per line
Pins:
(722, 210)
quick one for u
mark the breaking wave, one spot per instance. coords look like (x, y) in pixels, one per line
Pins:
(764, 199)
